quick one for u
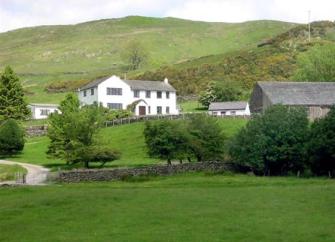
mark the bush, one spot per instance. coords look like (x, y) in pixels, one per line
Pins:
(98, 154)
(321, 147)
(11, 138)
(273, 143)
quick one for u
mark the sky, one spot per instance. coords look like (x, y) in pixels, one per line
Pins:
(25, 13)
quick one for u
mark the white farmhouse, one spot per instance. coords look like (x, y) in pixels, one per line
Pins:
(229, 109)
(42, 111)
(143, 97)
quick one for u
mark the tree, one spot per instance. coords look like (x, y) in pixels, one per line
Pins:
(206, 138)
(216, 92)
(317, 64)
(166, 140)
(273, 143)
(73, 134)
(321, 147)
(12, 101)
(11, 138)
(134, 55)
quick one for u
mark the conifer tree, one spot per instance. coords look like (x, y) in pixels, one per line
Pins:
(12, 102)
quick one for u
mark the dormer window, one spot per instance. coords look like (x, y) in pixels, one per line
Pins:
(136, 93)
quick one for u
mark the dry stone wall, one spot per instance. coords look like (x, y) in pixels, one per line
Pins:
(153, 170)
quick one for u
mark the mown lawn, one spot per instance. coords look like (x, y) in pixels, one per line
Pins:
(128, 139)
(192, 207)
(8, 172)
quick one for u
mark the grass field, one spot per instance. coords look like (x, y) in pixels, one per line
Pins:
(192, 207)
(7, 172)
(128, 139)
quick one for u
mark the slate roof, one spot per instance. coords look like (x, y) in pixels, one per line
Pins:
(300, 93)
(43, 105)
(135, 85)
(149, 85)
(227, 106)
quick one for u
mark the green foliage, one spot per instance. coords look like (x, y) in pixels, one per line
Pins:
(11, 138)
(12, 101)
(72, 132)
(216, 92)
(321, 145)
(166, 140)
(207, 138)
(200, 137)
(273, 143)
(317, 64)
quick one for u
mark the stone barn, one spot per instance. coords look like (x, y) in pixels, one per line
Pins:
(317, 97)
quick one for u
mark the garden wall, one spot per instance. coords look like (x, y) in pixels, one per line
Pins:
(153, 170)
(34, 131)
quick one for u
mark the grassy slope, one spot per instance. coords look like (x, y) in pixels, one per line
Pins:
(50, 54)
(192, 207)
(7, 172)
(274, 61)
(126, 138)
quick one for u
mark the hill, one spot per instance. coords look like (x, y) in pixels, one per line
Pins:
(271, 60)
(59, 55)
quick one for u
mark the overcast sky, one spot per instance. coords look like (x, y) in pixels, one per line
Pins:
(23, 13)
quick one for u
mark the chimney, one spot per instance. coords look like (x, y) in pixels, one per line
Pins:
(166, 80)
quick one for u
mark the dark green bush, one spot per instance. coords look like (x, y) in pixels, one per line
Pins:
(11, 138)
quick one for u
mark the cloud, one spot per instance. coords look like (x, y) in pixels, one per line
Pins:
(23, 13)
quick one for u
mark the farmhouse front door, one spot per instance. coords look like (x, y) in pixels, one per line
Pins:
(142, 110)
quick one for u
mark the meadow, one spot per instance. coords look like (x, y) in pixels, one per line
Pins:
(128, 139)
(189, 207)
(8, 172)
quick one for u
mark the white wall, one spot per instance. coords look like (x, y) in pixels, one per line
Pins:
(36, 111)
(89, 99)
(245, 112)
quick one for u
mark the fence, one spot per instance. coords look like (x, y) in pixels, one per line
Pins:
(135, 119)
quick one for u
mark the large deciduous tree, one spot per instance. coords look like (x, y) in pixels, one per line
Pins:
(73, 134)
(134, 54)
(12, 101)
(273, 143)
(321, 145)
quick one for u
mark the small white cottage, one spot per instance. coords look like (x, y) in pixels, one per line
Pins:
(42, 111)
(229, 109)
(142, 97)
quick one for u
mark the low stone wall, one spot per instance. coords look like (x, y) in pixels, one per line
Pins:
(34, 131)
(153, 170)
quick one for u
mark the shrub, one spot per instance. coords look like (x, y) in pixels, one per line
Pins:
(273, 143)
(98, 154)
(11, 138)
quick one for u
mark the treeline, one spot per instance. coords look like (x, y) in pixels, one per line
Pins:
(279, 142)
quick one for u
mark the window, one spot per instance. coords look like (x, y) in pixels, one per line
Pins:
(148, 94)
(167, 95)
(223, 113)
(167, 110)
(159, 110)
(92, 92)
(149, 109)
(215, 113)
(45, 112)
(159, 94)
(114, 105)
(114, 91)
(233, 112)
(85, 94)
(136, 93)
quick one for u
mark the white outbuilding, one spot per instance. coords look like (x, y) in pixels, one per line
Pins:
(42, 111)
(229, 109)
(142, 97)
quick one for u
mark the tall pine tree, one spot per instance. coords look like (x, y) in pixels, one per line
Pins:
(12, 102)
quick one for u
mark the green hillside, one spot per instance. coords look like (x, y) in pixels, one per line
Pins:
(271, 60)
(61, 54)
